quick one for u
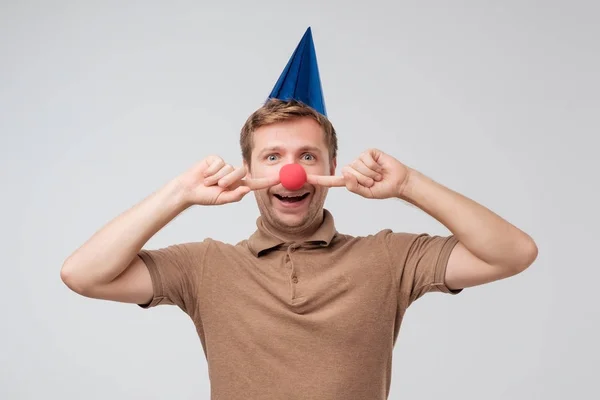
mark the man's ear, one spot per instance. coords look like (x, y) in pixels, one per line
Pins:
(333, 166)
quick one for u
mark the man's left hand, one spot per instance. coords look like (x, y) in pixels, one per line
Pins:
(373, 175)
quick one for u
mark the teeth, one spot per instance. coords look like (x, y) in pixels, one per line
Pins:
(290, 196)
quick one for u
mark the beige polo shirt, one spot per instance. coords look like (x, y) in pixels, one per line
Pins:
(311, 320)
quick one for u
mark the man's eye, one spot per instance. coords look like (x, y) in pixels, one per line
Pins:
(271, 157)
(308, 157)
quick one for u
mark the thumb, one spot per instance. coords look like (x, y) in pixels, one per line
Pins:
(375, 154)
(233, 196)
(351, 181)
(354, 186)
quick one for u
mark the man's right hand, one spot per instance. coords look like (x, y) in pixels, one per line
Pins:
(214, 182)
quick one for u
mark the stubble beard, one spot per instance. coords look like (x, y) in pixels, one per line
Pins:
(311, 220)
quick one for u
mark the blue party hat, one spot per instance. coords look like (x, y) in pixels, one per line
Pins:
(300, 78)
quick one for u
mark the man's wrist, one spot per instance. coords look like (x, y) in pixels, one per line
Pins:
(409, 187)
(176, 195)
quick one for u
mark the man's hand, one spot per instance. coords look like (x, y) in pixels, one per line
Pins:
(107, 267)
(214, 182)
(373, 175)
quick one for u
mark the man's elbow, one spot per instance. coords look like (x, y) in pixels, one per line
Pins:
(71, 278)
(527, 254)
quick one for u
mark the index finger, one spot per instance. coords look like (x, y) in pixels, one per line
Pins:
(326, 180)
(260, 183)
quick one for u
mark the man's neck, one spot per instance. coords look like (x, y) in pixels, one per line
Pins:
(298, 234)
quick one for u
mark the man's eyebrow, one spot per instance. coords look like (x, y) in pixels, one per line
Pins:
(279, 149)
(271, 149)
(311, 148)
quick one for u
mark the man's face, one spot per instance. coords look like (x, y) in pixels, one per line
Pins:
(299, 141)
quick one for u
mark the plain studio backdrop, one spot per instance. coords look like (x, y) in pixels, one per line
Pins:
(101, 103)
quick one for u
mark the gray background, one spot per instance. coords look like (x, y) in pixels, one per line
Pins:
(102, 103)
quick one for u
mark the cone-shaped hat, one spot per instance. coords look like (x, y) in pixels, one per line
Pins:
(300, 78)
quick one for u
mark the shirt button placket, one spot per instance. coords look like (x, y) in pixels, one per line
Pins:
(292, 248)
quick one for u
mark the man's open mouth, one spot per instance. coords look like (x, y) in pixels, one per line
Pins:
(291, 199)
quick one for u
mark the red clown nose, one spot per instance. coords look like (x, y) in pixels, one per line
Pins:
(292, 176)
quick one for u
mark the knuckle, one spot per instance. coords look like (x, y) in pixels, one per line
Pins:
(223, 183)
(213, 158)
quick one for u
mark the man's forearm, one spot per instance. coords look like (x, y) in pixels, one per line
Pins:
(485, 234)
(110, 250)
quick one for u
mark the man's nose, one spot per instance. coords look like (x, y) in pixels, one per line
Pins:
(291, 159)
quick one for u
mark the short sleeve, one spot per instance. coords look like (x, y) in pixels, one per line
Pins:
(176, 273)
(419, 262)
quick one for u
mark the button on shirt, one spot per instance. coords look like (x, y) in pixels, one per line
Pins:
(310, 320)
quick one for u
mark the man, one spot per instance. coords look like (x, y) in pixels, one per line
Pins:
(298, 310)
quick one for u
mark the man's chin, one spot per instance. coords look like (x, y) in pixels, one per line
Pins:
(290, 220)
(292, 217)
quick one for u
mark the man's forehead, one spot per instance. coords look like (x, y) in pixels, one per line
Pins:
(288, 137)
(297, 125)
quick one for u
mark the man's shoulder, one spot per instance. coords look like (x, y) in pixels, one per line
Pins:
(233, 248)
(215, 244)
(383, 238)
(210, 244)
(351, 241)
(380, 235)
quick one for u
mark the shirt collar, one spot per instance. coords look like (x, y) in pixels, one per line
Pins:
(262, 239)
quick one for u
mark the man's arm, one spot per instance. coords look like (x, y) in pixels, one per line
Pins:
(106, 266)
(489, 248)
